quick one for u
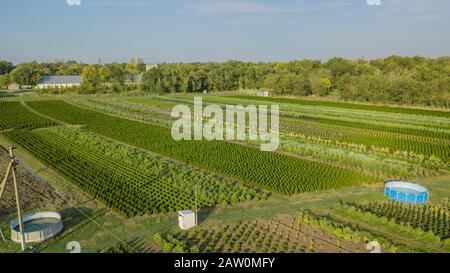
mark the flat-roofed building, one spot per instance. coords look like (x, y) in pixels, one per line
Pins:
(59, 82)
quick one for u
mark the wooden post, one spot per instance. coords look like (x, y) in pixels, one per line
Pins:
(19, 210)
(5, 179)
(12, 170)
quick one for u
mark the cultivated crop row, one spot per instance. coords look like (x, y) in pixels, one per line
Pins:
(427, 218)
(245, 237)
(288, 234)
(349, 117)
(13, 115)
(378, 108)
(383, 134)
(122, 186)
(271, 171)
(378, 126)
(426, 146)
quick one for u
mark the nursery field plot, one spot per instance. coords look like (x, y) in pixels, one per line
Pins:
(407, 123)
(144, 112)
(379, 125)
(434, 127)
(379, 108)
(280, 235)
(401, 122)
(156, 101)
(142, 108)
(426, 146)
(399, 230)
(426, 136)
(427, 218)
(127, 188)
(270, 171)
(13, 115)
(359, 159)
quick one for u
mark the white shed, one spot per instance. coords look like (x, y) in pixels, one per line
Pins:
(186, 219)
(262, 93)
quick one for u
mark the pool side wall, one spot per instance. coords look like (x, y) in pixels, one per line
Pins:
(393, 191)
(40, 235)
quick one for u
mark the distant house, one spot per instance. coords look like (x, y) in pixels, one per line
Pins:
(59, 82)
(262, 93)
(150, 67)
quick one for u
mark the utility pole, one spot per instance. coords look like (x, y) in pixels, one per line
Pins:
(12, 170)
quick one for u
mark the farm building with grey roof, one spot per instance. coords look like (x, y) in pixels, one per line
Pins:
(59, 82)
(72, 81)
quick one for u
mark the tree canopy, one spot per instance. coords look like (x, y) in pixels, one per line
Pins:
(397, 80)
(5, 67)
(28, 73)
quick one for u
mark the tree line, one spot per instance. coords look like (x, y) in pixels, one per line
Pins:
(397, 80)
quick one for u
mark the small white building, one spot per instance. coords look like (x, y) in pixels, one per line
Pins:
(59, 82)
(262, 93)
(187, 219)
(150, 67)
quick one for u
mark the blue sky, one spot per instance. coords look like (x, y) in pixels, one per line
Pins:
(218, 30)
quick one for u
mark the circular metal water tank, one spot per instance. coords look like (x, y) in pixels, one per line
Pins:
(38, 227)
(406, 192)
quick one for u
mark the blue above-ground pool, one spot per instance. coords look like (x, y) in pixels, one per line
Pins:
(406, 192)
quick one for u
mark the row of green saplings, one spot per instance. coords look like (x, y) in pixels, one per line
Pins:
(238, 196)
(417, 170)
(430, 161)
(421, 240)
(426, 217)
(243, 237)
(170, 243)
(384, 167)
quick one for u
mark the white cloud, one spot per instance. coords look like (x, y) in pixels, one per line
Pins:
(374, 2)
(73, 2)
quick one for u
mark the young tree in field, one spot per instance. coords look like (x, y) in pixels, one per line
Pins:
(28, 73)
(92, 79)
